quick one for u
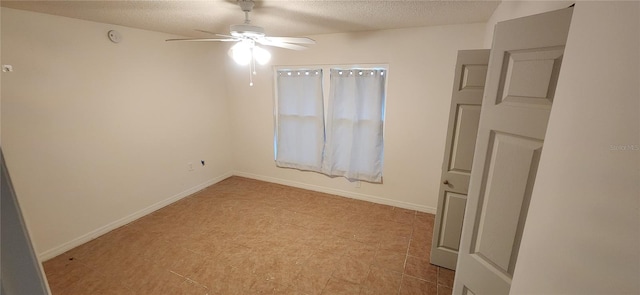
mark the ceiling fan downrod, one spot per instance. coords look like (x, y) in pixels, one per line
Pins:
(246, 6)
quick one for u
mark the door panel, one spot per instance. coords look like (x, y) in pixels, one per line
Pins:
(466, 291)
(473, 76)
(453, 214)
(512, 167)
(464, 115)
(464, 139)
(530, 76)
(521, 80)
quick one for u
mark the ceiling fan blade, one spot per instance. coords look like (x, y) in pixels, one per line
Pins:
(298, 40)
(216, 34)
(227, 36)
(280, 44)
(203, 40)
(208, 32)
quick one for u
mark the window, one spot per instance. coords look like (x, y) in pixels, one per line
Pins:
(299, 135)
(353, 145)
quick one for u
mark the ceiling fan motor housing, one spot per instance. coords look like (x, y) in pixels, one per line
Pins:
(246, 30)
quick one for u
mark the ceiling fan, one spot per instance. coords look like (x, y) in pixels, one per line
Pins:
(248, 36)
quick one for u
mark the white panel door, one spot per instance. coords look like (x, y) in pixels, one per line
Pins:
(464, 115)
(523, 69)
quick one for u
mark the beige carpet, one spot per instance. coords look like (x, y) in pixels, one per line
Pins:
(244, 236)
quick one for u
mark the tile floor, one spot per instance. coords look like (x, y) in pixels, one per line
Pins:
(244, 236)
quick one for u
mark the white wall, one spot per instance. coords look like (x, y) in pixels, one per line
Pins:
(95, 133)
(421, 65)
(519, 8)
(582, 234)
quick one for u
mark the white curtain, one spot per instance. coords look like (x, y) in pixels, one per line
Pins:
(354, 143)
(299, 137)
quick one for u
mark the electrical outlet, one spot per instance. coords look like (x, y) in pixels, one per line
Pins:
(190, 166)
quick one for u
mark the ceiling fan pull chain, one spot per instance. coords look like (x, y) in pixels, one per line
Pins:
(250, 77)
(253, 60)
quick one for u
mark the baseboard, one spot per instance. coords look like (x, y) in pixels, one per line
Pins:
(338, 192)
(48, 254)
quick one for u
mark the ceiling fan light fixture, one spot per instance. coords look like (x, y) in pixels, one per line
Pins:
(261, 55)
(241, 53)
(245, 52)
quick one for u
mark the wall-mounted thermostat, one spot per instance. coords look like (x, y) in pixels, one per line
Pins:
(114, 36)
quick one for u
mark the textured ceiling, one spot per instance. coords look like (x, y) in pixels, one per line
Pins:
(278, 17)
